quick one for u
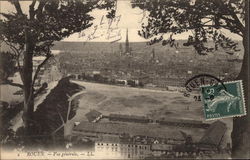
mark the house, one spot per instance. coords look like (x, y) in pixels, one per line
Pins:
(160, 149)
(93, 116)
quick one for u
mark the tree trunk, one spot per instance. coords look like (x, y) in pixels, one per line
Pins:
(27, 82)
(241, 126)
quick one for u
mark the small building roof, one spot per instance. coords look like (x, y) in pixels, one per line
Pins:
(122, 116)
(214, 134)
(160, 147)
(174, 120)
(92, 115)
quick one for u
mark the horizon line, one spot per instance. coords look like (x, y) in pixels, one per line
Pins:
(125, 42)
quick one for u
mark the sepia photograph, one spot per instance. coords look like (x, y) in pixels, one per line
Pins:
(124, 79)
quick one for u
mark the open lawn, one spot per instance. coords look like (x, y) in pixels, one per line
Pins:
(136, 101)
(146, 102)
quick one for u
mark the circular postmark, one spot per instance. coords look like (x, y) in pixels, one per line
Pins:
(194, 83)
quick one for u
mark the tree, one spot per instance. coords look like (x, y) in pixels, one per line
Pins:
(205, 20)
(33, 33)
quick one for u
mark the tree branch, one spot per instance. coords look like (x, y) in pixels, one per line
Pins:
(57, 129)
(12, 47)
(69, 108)
(236, 19)
(70, 102)
(39, 68)
(17, 53)
(60, 115)
(227, 19)
(207, 21)
(40, 8)
(14, 84)
(36, 74)
(17, 6)
(32, 11)
(63, 123)
(42, 88)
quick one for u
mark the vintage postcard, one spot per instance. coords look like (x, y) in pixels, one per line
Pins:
(124, 79)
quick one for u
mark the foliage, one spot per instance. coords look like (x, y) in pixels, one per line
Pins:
(203, 19)
(32, 33)
(48, 118)
(7, 66)
(55, 109)
(46, 21)
(51, 21)
(8, 112)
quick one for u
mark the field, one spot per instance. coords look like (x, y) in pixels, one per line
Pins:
(135, 101)
(126, 100)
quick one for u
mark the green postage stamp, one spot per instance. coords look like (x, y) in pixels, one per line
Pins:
(223, 101)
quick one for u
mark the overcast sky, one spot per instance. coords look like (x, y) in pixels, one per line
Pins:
(127, 18)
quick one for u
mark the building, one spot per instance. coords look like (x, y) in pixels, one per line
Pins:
(113, 147)
(114, 140)
(96, 72)
(182, 123)
(93, 116)
(129, 141)
(213, 136)
(127, 51)
(89, 129)
(129, 118)
(160, 149)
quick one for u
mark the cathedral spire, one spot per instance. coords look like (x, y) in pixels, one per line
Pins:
(127, 49)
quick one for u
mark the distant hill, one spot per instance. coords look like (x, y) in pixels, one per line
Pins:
(106, 47)
(139, 48)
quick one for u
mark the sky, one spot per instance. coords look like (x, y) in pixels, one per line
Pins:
(126, 18)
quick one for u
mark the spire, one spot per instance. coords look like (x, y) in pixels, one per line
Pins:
(120, 48)
(127, 50)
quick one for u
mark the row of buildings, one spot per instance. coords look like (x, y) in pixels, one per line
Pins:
(95, 116)
(122, 139)
(127, 141)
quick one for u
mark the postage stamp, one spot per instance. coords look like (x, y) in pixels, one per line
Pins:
(221, 102)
